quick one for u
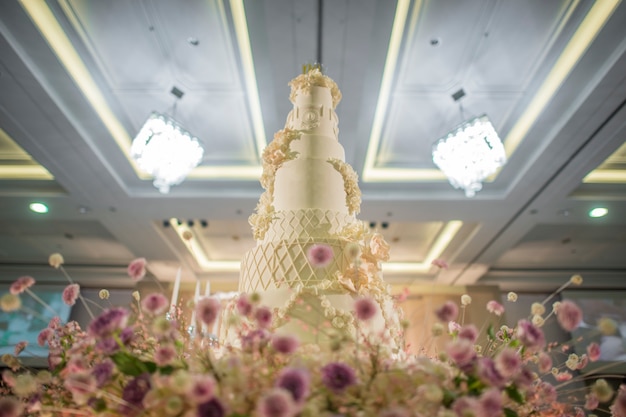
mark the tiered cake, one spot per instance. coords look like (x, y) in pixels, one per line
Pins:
(311, 198)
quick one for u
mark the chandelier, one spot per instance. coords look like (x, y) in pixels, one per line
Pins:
(165, 150)
(469, 154)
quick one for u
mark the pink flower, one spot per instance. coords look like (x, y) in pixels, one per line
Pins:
(155, 303)
(440, 263)
(263, 316)
(495, 307)
(491, 402)
(461, 351)
(21, 284)
(19, 348)
(618, 409)
(593, 351)
(44, 336)
(163, 355)
(320, 255)
(70, 294)
(469, 332)
(487, 372)
(296, 382)
(468, 406)
(207, 310)
(569, 315)
(244, 306)
(202, 388)
(591, 401)
(447, 312)
(365, 308)
(453, 327)
(276, 403)
(508, 362)
(137, 269)
(563, 376)
(530, 335)
(285, 343)
(10, 407)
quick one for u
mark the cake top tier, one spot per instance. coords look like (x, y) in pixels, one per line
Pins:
(304, 83)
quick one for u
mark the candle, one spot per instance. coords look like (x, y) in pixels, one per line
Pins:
(175, 292)
(196, 297)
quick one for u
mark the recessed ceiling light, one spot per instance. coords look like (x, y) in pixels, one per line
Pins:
(39, 207)
(598, 212)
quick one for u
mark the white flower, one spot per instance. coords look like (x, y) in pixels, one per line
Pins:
(512, 297)
(56, 260)
(103, 294)
(576, 279)
(537, 309)
(466, 300)
(538, 320)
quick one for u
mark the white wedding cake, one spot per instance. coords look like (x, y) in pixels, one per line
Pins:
(311, 198)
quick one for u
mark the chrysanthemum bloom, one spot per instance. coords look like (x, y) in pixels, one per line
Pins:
(537, 309)
(338, 376)
(56, 260)
(320, 255)
(593, 351)
(201, 389)
(487, 372)
(104, 294)
(276, 403)
(530, 336)
(109, 321)
(491, 402)
(495, 307)
(512, 297)
(10, 302)
(244, 306)
(466, 300)
(155, 303)
(461, 351)
(137, 269)
(365, 308)
(468, 332)
(10, 407)
(263, 316)
(135, 391)
(467, 406)
(569, 315)
(70, 294)
(285, 343)
(207, 310)
(21, 284)
(447, 312)
(296, 382)
(211, 408)
(508, 362)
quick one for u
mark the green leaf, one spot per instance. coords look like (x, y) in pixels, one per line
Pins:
(129, 365)
(509, 413)
(514, 394)
(490, 332)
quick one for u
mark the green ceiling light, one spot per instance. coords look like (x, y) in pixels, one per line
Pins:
(598, 212)
(38, 208)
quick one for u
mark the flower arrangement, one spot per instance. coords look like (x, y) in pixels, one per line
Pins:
(143, 360)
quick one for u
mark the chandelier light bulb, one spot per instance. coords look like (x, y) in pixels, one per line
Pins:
(469, 154)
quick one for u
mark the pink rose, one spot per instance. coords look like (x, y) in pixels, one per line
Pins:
(137, 269)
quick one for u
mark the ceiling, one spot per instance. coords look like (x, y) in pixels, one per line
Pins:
(78, 78)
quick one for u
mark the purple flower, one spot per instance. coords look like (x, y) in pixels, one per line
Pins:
(155, 303)
(285, 343)
(447, 312)
(469, 332)
(136, 390)
(618, 409)
(491, 402)
(508, 362)
(495, 308)
(569, 315)
(211, 408)
(255, 339)
(530, 336)
(263, 316)
(21, 284)
(320, 255)
(70, 294)
(296, 382)
(137, 269)
(102, 372)
(163, 355)
(461, 351)
(338, 376)
(276, 403)
(365, 308)
(110, 320)
(487, 372)
(207, 310)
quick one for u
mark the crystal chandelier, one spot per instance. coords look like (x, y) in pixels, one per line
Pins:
(165, 150)
(469, 154)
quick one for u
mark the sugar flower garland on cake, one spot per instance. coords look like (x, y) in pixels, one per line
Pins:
(350, 184)
(314, 78)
